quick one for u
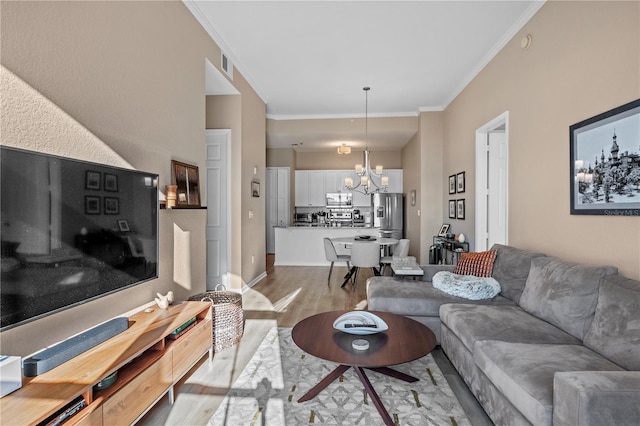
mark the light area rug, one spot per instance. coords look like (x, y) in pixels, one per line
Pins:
(267, 390)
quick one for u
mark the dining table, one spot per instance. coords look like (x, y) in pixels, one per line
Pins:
(383, 242)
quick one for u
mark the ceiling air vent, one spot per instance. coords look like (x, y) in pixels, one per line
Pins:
(227, 66)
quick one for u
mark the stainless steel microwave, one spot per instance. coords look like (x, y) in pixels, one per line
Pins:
(339, 199)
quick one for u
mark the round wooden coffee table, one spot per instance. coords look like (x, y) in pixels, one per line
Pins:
(405, 340)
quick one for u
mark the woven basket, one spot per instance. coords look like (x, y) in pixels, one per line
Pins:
(227, 314)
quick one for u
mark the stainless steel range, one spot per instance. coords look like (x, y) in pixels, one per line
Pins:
(339, 208)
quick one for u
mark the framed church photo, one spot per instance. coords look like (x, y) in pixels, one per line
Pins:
(604, 163)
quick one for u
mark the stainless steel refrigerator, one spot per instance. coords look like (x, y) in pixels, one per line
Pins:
(388, 215)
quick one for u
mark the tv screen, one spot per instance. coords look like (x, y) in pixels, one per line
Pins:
(71, 231)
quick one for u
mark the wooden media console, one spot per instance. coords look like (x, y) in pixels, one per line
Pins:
(148, 361)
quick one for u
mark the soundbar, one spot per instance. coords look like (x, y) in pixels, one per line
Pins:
(52, 357)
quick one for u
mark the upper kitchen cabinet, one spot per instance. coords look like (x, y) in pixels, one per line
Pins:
(395, 180)
(310, 188)
(334, 180)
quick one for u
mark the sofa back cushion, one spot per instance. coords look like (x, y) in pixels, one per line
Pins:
(615, 329)
(563, 293)
(511, 269)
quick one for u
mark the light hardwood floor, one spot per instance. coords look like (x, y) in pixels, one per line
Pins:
(286, 296)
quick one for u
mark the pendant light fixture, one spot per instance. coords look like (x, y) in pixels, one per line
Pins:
(371, 180)
(344, 149)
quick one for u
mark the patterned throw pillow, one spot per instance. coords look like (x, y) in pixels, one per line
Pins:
(477, 264)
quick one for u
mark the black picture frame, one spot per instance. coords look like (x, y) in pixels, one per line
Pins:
(91, 204)
(460, 209)
(92, 180)
(452, 184)
(111, 205)
(604, 163)
(460, 183)
(255, 188)
(452, 209)
(110, 182)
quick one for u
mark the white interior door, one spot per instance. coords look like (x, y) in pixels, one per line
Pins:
(492, 181)
(218, 205)
(497, 185)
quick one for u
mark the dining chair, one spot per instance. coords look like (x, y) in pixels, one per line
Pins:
(400, 250)
(364, 255)
(333, 256)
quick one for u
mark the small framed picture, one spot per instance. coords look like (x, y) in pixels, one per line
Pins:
(452, 184)
(255, 188)
(110, 182)
(91, 204)
(443, 230)
(413, 197)
(460, 209)
(452, 209)
(92, 180)
(460, 183)
(123, 225)
(111, 205)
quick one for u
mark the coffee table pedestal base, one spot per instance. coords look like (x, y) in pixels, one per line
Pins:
(331, 377)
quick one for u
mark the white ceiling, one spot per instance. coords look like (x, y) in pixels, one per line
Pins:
(311, 59)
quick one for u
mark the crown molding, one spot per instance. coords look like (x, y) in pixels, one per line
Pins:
(193, 7)
(511, 32)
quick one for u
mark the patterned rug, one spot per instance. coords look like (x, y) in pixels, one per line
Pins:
(279, 373)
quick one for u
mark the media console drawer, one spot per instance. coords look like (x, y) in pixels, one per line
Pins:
(187, 351)
(128, 403)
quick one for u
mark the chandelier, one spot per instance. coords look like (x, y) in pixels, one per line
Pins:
(368, 176)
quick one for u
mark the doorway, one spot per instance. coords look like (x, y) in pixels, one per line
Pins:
(492, 180)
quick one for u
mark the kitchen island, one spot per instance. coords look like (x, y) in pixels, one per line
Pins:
(304, 246)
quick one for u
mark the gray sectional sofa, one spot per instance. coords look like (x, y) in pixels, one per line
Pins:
(559, 345)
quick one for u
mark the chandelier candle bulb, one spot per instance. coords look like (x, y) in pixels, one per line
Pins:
(379, 170)
(384, 180)
(348, 182)
(358, 168)
(364, 180)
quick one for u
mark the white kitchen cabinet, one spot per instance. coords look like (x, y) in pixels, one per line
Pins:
(277, 208)
(395, 180)
(334, 180)
(310, 188)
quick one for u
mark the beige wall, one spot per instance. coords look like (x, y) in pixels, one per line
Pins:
(411, 181)
(584, 60)
(132, 74)
(432, 144)
(331, 160)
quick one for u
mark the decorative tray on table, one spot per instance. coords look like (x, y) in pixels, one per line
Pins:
(365, 238)
(360, 322)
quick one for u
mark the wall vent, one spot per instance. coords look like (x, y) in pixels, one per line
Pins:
(226, 64)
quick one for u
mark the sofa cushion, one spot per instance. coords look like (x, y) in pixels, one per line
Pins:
(478, 264)
(563, 293)
(508, 323)
(524, 372)
(511, 269)
(415, 298)
(615, 329)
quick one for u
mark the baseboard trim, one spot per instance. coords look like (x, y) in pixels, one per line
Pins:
(254, 281)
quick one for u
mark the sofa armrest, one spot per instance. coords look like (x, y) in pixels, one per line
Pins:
(596, 398)
(430, 270)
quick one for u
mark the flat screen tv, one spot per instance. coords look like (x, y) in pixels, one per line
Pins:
(71, 231)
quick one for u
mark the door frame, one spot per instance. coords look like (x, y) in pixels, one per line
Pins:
(482, 134)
